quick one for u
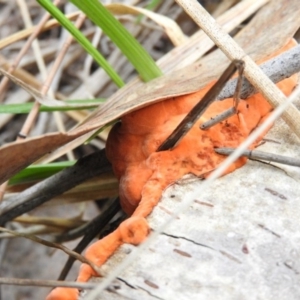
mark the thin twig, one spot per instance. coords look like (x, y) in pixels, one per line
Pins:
(218, 118)
(278, 68)
(32, 230)
(47, 283)
(23, 34)
(25, 48)
(256, 154)
(195, 113)
(99, 222)
(53, 245)
(94, 227)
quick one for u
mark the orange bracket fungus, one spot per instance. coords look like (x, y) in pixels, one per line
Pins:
(144, 173)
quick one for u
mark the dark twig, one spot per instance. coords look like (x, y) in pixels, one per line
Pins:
(255, 154)
(277, 69)
(98, 222)
(190, 119)
(53, 245)
(85, 168)
(236, 98)
(93, 229)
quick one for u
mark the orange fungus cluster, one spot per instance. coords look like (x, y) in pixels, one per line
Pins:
(144, 173)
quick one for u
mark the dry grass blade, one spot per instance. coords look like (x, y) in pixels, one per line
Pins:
(39, 96)
(29, 42)
(33, 92)
(199, 43)
(60, 223)
(27, 32)
(171, 28)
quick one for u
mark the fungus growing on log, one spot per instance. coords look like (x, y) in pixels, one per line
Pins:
(144, 173)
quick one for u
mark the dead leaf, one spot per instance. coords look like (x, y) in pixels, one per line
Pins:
(17, 155)
(37, 95)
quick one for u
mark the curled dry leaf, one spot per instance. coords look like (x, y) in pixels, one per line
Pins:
(171, 28)
(261, 37)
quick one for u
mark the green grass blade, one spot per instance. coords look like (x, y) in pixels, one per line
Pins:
(39, 172)
(25, 108)
(82, 40)
(136, 54)
(153, 4)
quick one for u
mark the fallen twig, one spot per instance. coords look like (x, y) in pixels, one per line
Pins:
(68, 251)
(92, 229)
(85, 168)
(277, 69)
(256, 154)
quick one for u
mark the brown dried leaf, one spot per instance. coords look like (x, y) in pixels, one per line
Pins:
(17, 155)
(37, 95)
